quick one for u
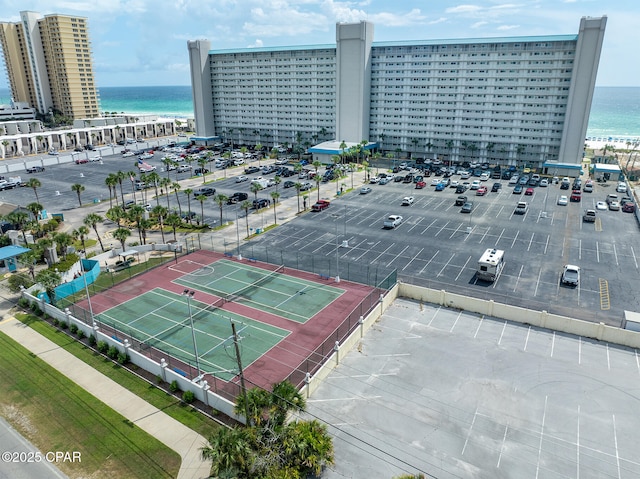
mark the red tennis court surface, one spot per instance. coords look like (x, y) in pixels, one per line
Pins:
(301, 352)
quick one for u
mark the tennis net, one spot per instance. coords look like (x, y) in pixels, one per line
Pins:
(153, 341)
(243, 292)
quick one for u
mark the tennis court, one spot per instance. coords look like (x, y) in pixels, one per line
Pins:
(273, 292)
(161, 319)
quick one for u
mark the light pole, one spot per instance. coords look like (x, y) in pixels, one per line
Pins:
(86, 289)
(238, 234)
(189, 294)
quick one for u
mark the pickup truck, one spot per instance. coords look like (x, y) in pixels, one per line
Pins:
(589, 216)
(392, 221)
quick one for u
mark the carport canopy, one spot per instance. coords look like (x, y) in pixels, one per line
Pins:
(129, 252)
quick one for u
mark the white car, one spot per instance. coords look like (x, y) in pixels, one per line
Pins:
(392, 221)
(407, 201)
(435, 181)
(281, 161)
(454, 183)
(484, 176)
(127, 154)
(544, 182)
(601, 205)
(374, 179)
(95, 158)
(614, 205)
(241, 178)
(238, 161)
(475, 184)
(563, 200)
(571, 275)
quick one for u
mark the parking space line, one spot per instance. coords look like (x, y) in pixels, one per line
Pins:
(367, 250)
(469, 433)
(445, 265)
(469, 231)
(434, 316)
(504, 326)
(429, 262)
(455, 322)
(500, 211)
(463, 267)
(515, 238)
(456, 230)
(411, 260)
(378, 257)
(615, 442)
(481, 240)
(615, 254)
(526, 341)
(633, 253)
(605, 303)
(535, 292)
(597, 252)
(416, 224)
(544, 416)
(546, 244)
(430, 224)
(608, 358)
(578, 446)
(518, 278)
(580, 249)
(397, 256)
(637, 361)
(553, 343)
(598, 224)
(530, 241)
(478, 328)
(504, 438)
(500, 236)
(440, 230)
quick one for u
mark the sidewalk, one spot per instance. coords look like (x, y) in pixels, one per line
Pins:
(167, 430)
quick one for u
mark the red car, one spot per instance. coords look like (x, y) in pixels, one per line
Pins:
(628, 207)
(576, 196)
(420, 185)
(481, 191)
(81, 161)
(320, 205)
(528, 192)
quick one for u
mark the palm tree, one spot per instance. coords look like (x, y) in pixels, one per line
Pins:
(111, 181)
(188, 192)
(63, 240)
(220, 200)
(136, 214)
(201, 199)
(50, 280)
(143, 225)
(167, 162)
(160, 212)
(318, 180)
(298, 187)
(116, 214)
(81, 233)
(35, 184)
(155, 179)
(255, 188)
(227, 156)
(78, 188)
(120, 176)
(132, 177)
(121, 234)
(275, 195)
(202, 162)
(229, 451)
(92, 220)
(245, 205)
(176, 187)
(174, 221)
(343, 146)
(19, 219)
(277, 180)
(165, 184)
(35, 209)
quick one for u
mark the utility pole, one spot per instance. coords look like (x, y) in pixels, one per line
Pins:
(239, 360)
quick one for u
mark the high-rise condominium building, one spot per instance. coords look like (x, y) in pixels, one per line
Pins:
(511, 100)
(49, 64)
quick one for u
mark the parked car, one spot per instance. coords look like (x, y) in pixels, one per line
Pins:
(320, 205)
(307, 185)
(419, 185)
(517, 190)
(260, 203)
(204, 191)
(544, 183)
(237, 197)
(241, 178)
(528, 192)
(481, 191)
(81, 161)
(570, 275)
(467, 207)
(629, 207)
(461, 189)
(365, 190)
(496, 187)
(589, 216)
(563, 200)
(288, 184)
(461, 200)
(601, 205)
(614, 205)
(521, 208)
(392, 221)
(249, 170)
(576, 196)
(407, 201)
(441, 186)
(95, 159)
(35, 169)
(200, 171)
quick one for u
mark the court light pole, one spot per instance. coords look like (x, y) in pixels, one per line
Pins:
(189, 295)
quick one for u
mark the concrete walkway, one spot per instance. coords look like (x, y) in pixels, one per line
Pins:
(167, 430)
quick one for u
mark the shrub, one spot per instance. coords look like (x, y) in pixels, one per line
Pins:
(63, 325)
(158, 379)
(23, 303)
(188, 397)
(15, 281)
(102, 347)
(123, 358)
(73, 328)
(92, 340)
(81, 334)
(67, 263)
(112, 352)
(173, 387)
(56, 322)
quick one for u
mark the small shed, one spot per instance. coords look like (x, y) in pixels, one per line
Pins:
(8, 257)
(607, 171)
(553, 168)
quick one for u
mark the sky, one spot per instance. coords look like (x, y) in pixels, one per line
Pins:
(144, 42)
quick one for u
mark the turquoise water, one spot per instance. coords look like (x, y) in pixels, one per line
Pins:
(615, 111)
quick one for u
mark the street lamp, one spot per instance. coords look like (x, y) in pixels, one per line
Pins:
(189, 295)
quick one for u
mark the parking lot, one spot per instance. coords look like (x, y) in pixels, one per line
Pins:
(456, 395)
(438, 246)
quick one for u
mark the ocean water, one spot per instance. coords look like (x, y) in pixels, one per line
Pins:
(615, 111)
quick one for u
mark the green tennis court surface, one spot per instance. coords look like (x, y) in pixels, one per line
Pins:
(160, 319)
(273, 292)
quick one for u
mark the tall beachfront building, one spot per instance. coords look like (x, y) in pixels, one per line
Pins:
(49, 64)
(511, 100)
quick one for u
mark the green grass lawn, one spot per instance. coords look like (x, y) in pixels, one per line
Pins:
(64, 417)
(157, 397)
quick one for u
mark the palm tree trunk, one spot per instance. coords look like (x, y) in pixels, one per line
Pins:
(95, 228)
